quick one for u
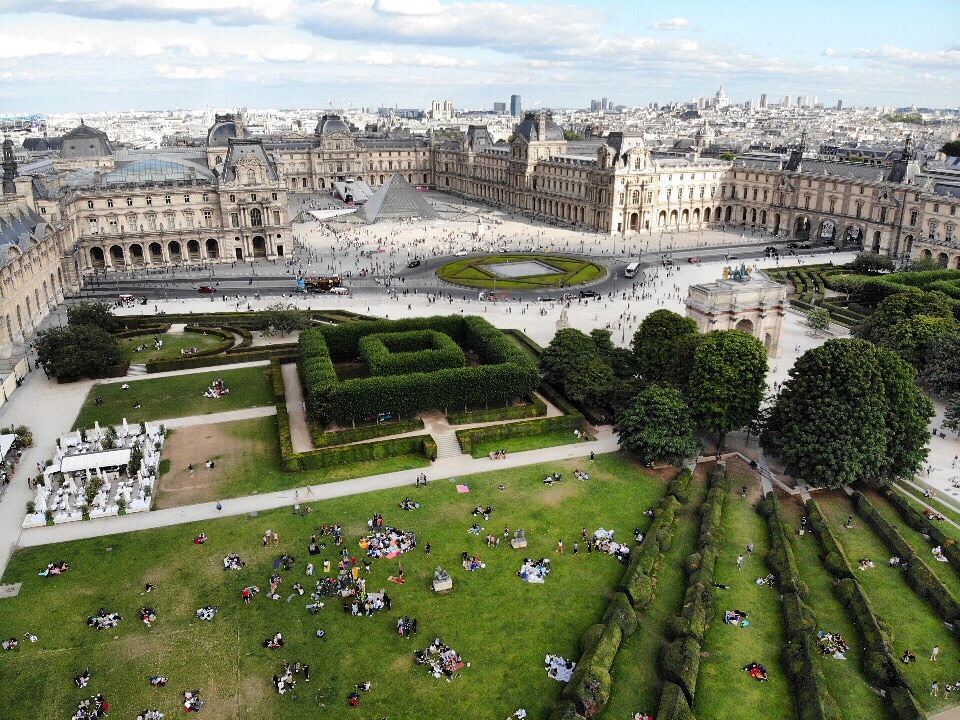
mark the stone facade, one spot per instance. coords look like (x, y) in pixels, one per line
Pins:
(739, 301)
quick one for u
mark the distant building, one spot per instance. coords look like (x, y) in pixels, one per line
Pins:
(442, 110)
(499, 107)
(763, 101)
(515, 108)
(839, 104)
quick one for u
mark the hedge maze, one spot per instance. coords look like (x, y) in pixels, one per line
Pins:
(415, 358)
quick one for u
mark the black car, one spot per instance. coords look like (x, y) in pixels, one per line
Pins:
(413, 264)
(805, 246)
(589, 294)
(730, 257)
(793, 246)
(770, 249)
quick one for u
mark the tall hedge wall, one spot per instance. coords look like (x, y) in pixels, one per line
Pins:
(510, 373)
(402, 353)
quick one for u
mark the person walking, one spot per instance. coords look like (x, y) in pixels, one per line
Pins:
(935, 654)
(560, 547)
(219, 506)
(739, 562)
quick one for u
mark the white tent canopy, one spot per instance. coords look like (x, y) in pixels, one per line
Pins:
(6, 442)
(95, 460)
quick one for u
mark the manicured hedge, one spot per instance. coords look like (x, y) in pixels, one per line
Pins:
(348, 454)
(225, 335)
(534, 407)
(509, 372)
(402, 353)
(231, 357)
(276, 379)
(674, 704)
(566, 711)
(922, 524)
(524, 428)
(680, 486)
(680, 664)
(155, 329)
(365, 432)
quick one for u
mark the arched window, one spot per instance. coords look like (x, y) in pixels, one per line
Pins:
(251, 177)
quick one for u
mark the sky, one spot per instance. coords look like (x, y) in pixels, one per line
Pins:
(59, 56)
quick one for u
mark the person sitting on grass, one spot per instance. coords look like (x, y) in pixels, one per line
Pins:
(908, 657)
(158, 681)
(736, 617)
(757, 672)
(148, 616)
(192, 701)
(83, 680)
(274, 643)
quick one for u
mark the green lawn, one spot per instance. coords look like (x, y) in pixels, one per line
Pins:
(728, 648)
(637, 684)
(173, 343)
(472, 272)
(500, 625)
(175, 396)
(519, 444)
(247, 461)
(912, 623)
(844, 678)
(915, 497)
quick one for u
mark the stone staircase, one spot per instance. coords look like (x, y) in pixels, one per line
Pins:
(138, 369)
(447, 444)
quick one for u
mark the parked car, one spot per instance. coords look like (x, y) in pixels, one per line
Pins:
(413, 263)
(589, 294)
(206, 289)
(693, 260)
(340, 291)
(805, 246)
(793, 246)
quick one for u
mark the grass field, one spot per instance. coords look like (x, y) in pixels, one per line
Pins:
(519, 444)
(472, 272)
(246, 456)
(912, 623)
(175, 396)
(728, 648)
(173, 343)
(500, 625)
(845, 681)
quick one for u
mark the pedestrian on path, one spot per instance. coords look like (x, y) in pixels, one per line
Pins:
(219, 506)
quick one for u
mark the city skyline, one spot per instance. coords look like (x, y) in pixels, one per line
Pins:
(103, 55)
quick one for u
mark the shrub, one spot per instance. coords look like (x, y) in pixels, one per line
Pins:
(322, 438)
(534, 407)
(903, 705)
(680, 486)
(590, 638)
(620, 613)
(588, 689)
(673, 704)
(407, 352)
(566, 711)
(680, 664)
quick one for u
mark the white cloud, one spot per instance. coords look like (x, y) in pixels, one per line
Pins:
(229, 12)
(149, 47)
(15, 47)
(184, 72)
(677, 23)
(287, 52)
(408, 7)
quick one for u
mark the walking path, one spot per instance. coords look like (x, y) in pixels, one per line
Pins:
(299, 428)
(191, 371)
(222, 417)
(442, 469)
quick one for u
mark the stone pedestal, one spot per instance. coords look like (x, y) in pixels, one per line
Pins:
(518, 543)
(443, 585)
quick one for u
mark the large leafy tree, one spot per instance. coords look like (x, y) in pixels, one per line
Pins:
(869, 263)
(657, 425)
(572, 362)
(942, 369)
(77, 351)
(850, 412)
(951, 414)
(893, 310)
(655, 344)
(727, 382)
(94, 313)
(912, 338)
(619, 359)
(280, 319)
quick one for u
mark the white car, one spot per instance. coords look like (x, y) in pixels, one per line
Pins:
(460, 253)
(340, 291)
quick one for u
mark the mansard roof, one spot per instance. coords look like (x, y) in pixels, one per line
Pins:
(84, 141)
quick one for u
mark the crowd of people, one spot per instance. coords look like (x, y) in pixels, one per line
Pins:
(103, 620)
(832, 644)
(92, 708)
(559, 668)
(736, 617)
(232, 562)
(388, 542)
(54, 569)
(534, 571)
(440, 659)
(216, 390)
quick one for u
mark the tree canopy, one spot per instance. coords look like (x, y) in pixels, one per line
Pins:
(951, 149)
(850, 412)
(573, 363)
(818, 318)
(728, 380)
(280, 319)
(94, 313)
(942, 369)
(77, 351)
(909, 323)
(869, 263)
(923, 264)
(655, 345)
(657, 425)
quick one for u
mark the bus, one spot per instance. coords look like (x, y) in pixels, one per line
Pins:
(318, 284)
(631, 270)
